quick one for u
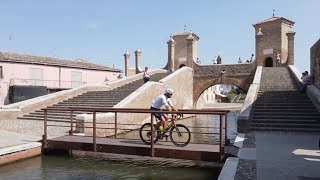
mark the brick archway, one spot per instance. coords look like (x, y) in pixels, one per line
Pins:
(240, 75)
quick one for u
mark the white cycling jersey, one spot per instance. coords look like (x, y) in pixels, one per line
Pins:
(160, 101)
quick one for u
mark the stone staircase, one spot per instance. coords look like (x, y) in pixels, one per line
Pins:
(279, 107)
(90, 99)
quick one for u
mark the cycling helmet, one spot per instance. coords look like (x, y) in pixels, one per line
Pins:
(168, 91)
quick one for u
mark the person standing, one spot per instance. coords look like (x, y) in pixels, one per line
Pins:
(146, 76)
(278, 55)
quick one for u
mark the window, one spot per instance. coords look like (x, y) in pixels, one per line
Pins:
(1, 73)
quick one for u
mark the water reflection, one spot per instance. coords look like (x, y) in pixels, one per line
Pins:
(59, 167)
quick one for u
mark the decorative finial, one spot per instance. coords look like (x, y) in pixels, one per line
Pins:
(138, 49)
(190, 36)
(185, 28)
(127, 52)
(259, 32)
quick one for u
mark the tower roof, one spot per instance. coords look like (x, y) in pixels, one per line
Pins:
(187, 34)
(272, 19)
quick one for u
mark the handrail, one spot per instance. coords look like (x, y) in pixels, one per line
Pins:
(140, 110)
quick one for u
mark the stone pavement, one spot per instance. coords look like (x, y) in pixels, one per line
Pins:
(279, 155)
(9, 139)
(287, 156)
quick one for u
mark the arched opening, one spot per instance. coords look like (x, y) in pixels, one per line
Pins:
(268, 62)
(182, 65)
(221, 96)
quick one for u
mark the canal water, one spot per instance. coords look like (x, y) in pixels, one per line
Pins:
(111, 167)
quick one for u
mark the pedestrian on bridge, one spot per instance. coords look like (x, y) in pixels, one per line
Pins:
(146, 76)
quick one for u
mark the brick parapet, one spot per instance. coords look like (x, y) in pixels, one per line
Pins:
(315, 64)
(240, 75)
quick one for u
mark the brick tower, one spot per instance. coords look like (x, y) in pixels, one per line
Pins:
(274, 42)
(183, 50)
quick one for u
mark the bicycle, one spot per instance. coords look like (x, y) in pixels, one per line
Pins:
(179, 135)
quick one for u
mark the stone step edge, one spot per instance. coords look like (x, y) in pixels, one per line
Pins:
(18, 148)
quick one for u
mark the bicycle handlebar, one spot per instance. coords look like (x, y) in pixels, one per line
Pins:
(176, 116)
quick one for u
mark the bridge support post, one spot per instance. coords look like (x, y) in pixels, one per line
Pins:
(71, 123)
(220, 138)
(94, 133)
(226, 140)
(45, 136)
(115, 125)
(152, 138)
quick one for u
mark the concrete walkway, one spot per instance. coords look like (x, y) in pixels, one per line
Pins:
(9, 139)
(279, 155)
(287, 156)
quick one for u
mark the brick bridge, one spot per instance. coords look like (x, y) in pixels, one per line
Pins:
(240, 75)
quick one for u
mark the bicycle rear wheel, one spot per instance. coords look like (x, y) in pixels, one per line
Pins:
(145, 133)
(180, 135)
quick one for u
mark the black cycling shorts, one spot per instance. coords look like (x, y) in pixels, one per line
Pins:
(158, 115)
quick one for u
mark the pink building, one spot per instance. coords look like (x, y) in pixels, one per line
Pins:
(28, 73)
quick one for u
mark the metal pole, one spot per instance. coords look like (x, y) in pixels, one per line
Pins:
(220, 137)
(71, 131)
(116, 125)
(94, 132)
(152, 138)
(45, 136)
(226, 142)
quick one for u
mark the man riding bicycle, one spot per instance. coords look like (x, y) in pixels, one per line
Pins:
(163, 100)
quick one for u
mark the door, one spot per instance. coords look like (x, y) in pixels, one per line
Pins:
(268, 62)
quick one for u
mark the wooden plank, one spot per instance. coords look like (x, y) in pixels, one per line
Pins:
(203, 152)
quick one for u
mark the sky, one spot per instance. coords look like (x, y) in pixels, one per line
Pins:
(100, 31)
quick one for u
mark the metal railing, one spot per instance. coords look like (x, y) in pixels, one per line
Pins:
(116, 111)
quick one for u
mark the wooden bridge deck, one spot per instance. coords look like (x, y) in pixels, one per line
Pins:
(202, 152)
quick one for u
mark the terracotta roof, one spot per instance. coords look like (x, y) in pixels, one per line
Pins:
(31, 59)
(274, 19)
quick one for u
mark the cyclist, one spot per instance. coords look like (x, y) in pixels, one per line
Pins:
(163, 100)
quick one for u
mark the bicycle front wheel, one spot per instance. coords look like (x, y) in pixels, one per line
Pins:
(180, 135)
(145, 133)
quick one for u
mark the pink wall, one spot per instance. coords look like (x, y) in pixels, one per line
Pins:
(18, 74)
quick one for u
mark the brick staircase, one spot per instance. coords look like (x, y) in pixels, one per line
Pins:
(90, 99)
(279, 107)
